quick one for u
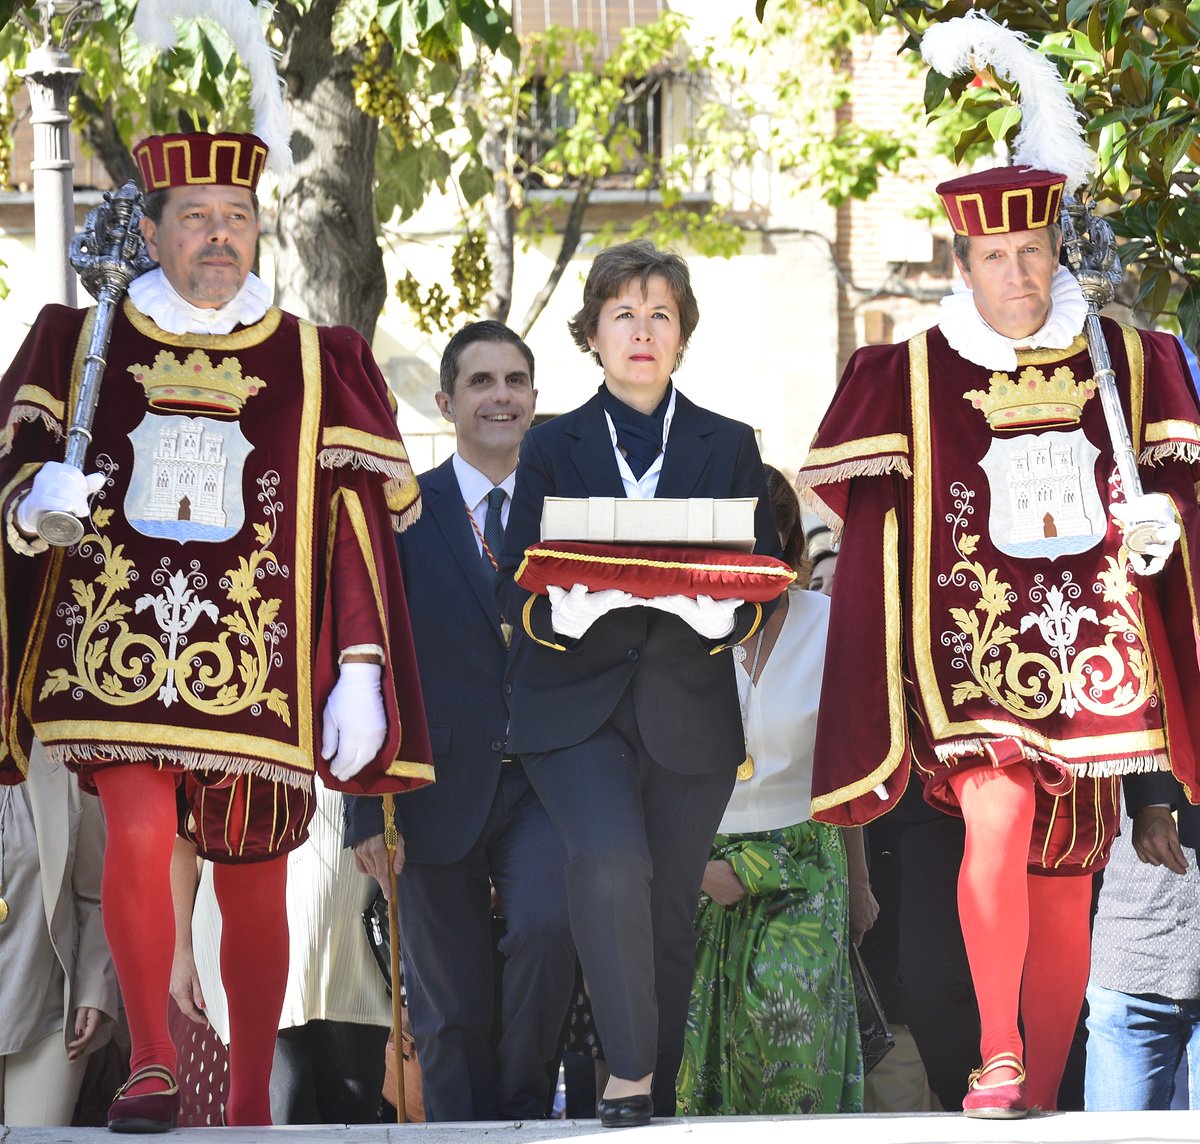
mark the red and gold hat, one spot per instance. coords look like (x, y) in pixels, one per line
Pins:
(199, 159)
(1002, 199)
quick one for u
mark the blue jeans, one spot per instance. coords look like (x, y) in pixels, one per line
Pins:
(1135, 1044)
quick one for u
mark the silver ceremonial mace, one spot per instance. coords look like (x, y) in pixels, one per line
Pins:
(1092, 256)
(107, 255)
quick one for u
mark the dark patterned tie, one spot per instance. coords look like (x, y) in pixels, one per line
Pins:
(493, 534)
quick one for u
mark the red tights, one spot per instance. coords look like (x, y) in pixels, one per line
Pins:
(139, 809)
(1026, 935)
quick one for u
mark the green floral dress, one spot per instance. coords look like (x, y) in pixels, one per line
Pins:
(772, 1027)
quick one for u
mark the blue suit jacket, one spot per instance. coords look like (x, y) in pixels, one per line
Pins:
(684, 689)
(461, 656)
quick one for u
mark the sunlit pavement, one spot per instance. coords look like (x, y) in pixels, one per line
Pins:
(940, 1128)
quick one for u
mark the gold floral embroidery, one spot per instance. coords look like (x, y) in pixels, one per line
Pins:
(222, 676)
(1110, 678)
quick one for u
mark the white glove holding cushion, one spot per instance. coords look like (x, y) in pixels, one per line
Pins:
(1149, 547)
(354, 724)
(573, 612)
(709, 618)
(57, 488)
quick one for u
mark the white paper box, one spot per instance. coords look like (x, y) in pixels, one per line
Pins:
(704, 521)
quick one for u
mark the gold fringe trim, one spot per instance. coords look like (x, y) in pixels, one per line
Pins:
(1085, 768)
(1186, 451)
(21, 413)
(848, 470)
(84, 753)
(1129, 765)
(410, 516)
(636, 562)
(401, 490)
(816, 505)
(340, 457)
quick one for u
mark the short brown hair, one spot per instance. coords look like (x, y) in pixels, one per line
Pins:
(789, 523)
(613, 268)
(486, 330)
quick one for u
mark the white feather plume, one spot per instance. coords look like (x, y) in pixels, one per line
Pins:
(153, 23)
(1051, 136)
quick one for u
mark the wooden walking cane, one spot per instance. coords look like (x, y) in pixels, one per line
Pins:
(391, 839)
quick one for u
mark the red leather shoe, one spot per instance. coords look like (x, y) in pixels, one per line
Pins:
(1001, 1100)
(148, 1111)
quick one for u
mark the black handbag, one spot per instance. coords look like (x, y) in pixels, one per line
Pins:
(877, 1040)
(375, 922)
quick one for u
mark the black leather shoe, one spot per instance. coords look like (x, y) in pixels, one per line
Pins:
(625, 1111)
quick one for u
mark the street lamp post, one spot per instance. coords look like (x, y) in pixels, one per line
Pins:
(51, 79)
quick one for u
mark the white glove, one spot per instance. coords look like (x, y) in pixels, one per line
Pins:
(1150, 529)
(57, 488)
(708, 617)
(354, 725)
(573, 612)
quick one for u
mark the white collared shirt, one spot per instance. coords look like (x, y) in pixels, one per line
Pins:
(475, 487)
(155, 297)
(647, 486)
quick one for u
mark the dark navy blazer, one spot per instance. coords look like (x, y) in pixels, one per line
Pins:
(461, 655)
(684, 688)
(1160, 787)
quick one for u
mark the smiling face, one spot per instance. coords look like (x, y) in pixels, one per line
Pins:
(205, 242)
(1010, 275)
(638, 339)
(491, 406)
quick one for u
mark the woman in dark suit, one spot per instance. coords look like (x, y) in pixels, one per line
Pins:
(625, 710)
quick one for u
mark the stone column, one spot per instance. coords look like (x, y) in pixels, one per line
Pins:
(51, 79)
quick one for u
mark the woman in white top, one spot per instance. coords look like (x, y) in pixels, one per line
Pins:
(773, 1027)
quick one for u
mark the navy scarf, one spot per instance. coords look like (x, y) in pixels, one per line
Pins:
(639, 434)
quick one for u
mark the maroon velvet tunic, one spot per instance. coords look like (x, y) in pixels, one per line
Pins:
(985, 600)
(244, 536)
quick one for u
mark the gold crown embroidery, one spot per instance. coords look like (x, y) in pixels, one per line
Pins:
(195, 385)
(1033, 399)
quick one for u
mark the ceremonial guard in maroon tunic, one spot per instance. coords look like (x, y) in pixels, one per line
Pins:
(232, 620)
(996, 626)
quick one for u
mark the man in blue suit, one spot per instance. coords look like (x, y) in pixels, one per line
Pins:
(480, 825)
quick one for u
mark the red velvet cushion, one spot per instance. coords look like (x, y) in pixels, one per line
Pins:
(654, 570)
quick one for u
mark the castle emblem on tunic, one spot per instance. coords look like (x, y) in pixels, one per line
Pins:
(187, 478)
(195, 385)
(1033, 399)
(1044, 497)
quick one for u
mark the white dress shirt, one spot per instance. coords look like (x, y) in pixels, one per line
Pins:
(647, 485)
(475, 487)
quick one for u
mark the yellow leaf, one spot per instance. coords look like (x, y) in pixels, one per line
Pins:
(263, 532)
(277, 702)
(967, 544)
(101, 517)
(94, 656)
(56, 681)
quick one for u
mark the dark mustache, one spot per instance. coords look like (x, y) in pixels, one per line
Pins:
(222, 251)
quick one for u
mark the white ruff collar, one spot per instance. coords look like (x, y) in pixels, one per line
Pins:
(158, 299)
(972, 338)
